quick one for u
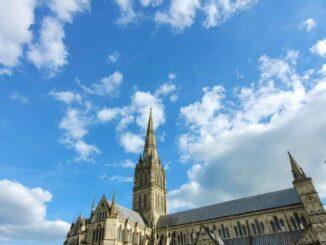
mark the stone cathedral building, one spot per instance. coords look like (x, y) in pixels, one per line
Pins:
(291, 216)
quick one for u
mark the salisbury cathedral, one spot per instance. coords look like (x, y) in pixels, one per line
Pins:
(291, 216)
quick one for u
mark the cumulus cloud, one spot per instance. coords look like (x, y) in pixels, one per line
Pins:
(66, 9)
(308, 24)
(319, 48)
(127, 13)
(108, 114)
(67, 97)
(74, 123)
(15, 32)
(249, 131)
(23, 214)
(124, 164)
(108, 85)
(50, 52)
(132, 143)
(136, 113)
(181, 14)
(218, 11)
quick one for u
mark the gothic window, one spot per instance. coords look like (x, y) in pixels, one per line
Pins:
(297, 220)
(239, 229)
(262, 227)
(253, 227)
(294, 224)
(257, 226)
(304, 222)
(236, 231)
(273, 226)
(244, 230)
(94, 233)
(282, 225)
(223, 231)
(227, 232)
(145, 201)
(139, 201)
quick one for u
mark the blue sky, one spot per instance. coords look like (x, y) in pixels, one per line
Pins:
(233, 86)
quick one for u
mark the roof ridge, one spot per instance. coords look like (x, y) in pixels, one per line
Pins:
(229, 201)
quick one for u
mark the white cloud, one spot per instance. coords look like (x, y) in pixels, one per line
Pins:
(67, 97)
(107, 114)
(23, 214)
(181, 14)
(131, 142)
(65, 9)
(136, 112)
(74, 123)
(124, 164)
(319, 48)
(15, 32)
(165, 89)
(250, 133)
(308, 24)
(109, 85)
(153, 3)
(19, 98)
(118, 178)
(127, 13)
(171, 76)
(50, 52)
(322, 70)
(218, 11)
(113, 58)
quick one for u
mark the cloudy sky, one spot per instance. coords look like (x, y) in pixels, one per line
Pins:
(233, 84)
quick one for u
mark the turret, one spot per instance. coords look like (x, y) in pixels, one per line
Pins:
(310, 200)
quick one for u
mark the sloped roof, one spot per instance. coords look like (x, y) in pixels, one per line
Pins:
(280, 238)
(244, 205)
(131, 215)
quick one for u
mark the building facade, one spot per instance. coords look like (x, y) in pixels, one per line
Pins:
(291, 216)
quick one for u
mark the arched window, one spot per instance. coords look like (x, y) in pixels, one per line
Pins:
(257, 226)
(282, 225)
(253, 227)
(297, 220)
(273, 226)
(244, 230)
(304, 222)
(227, 232)
(262, 227)
(223, 231)
(236, 231)
(276, 223)
(94, 234)
(239, 229)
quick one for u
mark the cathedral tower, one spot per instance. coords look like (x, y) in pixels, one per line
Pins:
(149, 193)
(310, 200)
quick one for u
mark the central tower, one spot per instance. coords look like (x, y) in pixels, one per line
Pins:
(149, 193)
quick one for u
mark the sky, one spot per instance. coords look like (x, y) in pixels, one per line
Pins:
(234, 85)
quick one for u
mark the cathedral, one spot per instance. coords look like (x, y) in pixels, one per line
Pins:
(290, 216)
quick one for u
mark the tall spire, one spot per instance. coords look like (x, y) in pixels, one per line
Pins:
(297, 171)
(113, 205)
(150, 149)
